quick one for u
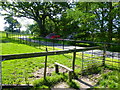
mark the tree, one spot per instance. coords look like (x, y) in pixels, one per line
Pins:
(81, 20)
(33, 28)
(14, 25)
(37, 11)
(108, 19)
(101, 20)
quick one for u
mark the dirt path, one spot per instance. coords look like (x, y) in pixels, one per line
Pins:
(85, 82)
(61, 85)
(40, 73)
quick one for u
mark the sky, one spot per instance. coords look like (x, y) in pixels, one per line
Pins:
(2, 23)
(23, 21)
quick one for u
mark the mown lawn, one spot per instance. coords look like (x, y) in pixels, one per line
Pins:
(14, 48)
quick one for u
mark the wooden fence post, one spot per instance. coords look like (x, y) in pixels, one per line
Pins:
(1, 74)
(70, 76)
(74, 57)
(56, 69)
(82, 61)
(6, 34)
(63, 44)
(45, 65)
(104, 55)
(53, 45)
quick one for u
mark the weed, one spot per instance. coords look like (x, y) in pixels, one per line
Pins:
(109, 80)
(49, 81)
(73, 84)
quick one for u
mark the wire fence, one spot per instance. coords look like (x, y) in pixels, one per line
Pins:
(112, 50)
(111, 54)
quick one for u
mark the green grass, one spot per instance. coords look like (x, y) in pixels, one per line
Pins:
(53, 80)
(50, 80)
(14, 39)
(20, 71)
(109, 80)
(14, 48)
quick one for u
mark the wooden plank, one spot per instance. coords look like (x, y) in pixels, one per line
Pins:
(56, 68)
(73, 63)
(70, 76)
(45, 69)
(17, 86)
(6, 35)
(104, 55)
(70, 70)
(38, 54)
(63, 66)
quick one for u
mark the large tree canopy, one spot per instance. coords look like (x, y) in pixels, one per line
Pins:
(90, 20)
(99, 20)
(35, 10)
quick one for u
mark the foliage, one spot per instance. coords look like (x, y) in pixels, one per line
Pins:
(91, 21)
(14, 25)
(109, 80)
(95, 21)
(73, 84)
(33, 28)
(38, 11)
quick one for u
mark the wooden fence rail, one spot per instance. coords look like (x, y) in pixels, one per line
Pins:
(38, 54)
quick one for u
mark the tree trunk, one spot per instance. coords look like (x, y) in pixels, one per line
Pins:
(110, 22)
(118, 36)
(41, 25)
(39, 22)
(102, 28)
(44, 32)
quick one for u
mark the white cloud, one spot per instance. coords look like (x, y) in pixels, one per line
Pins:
(2, 25)
(23, 21)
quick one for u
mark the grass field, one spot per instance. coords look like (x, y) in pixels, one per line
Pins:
(21, 71)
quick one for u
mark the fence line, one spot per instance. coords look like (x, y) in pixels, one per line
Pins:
(104, 48)
(38, 54)
(28, 55)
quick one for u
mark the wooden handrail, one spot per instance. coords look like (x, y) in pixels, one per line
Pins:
(70, 70)
(63, 66)
(38, 54)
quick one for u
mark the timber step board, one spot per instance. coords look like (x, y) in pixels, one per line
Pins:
(63, 66)
(17, 86)
(70, 76)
